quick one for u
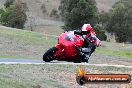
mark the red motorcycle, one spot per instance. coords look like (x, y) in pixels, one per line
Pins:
(70, 48)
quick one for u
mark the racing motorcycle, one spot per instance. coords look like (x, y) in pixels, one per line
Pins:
(70, 47)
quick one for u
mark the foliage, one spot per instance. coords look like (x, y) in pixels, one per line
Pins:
(63, 8)
(77, 12)
(118, 22)
(14, 15)
(128, 5)
(54, 13)
(8, 3)
(104, 18)
(5, 16)
(99, 29)
(43, 8)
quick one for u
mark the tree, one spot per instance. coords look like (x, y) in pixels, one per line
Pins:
(8, 3)
(100, 30)
(104, 18)
(118, 22)
(128, 5)
(54, 13)
(63, 8)
(43, 8)
(19, 15)
(5, 16)
(14, 15)
(78, 12)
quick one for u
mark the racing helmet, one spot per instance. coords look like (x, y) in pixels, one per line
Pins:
(87, 28)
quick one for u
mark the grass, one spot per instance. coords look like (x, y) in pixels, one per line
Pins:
(28, 76)
(9, 83)
(48, 76)
(115, 49)
(114, 53)
(33, 37)
(16, 43)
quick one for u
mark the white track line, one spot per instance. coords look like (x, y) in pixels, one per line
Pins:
(101, 65)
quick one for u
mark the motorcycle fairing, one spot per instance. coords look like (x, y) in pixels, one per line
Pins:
(66, 45)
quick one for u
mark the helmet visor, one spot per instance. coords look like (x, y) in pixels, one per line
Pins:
(86, 32)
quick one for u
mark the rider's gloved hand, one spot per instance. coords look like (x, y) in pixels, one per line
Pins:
(78, 32)
(98, 43)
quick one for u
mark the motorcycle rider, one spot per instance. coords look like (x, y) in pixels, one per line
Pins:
(88, 34)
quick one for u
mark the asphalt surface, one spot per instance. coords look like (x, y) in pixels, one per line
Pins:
(20, 60)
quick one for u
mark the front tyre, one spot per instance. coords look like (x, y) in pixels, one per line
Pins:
(48, 56)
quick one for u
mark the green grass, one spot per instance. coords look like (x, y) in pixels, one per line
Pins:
(32, 44)
(28, 76)
(48, 76)
(117, 53)
(115, 49)
(17, 40)
(114, 52)
(33, 37)
(9, 83)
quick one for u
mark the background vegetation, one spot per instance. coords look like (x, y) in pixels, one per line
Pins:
(14, 14)
(117, 21)
(78, 12)
(74, 13)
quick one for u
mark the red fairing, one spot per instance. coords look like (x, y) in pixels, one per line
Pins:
(66, 45)
(70, 40)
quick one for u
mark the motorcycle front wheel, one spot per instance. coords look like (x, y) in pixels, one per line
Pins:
(48, 56)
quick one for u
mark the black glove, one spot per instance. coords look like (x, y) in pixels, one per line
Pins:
(78, 32)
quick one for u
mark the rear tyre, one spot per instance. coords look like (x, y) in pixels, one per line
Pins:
(48, 56)
(77, 60)
(85, 60)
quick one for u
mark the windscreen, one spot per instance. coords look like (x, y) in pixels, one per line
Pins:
(70, 37)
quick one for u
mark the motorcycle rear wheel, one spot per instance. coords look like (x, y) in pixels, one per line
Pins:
(48, 56)
(77, 60)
